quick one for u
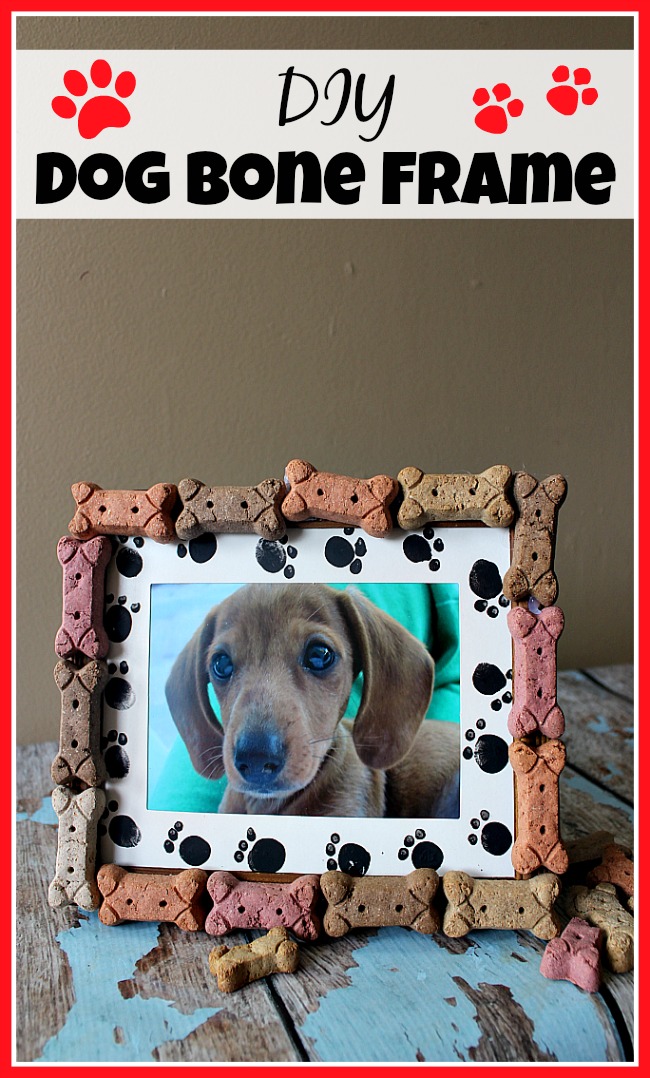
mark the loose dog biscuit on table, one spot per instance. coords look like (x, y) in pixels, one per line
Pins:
(456, 497)
(340, 498)
(231, 509)
(531, 572)
(616, 867)
(380, 901)
(535, 704)
(253, 904)
(79, 757)
(237, 966)
(124, 512)
(74, 880)
(538, 841)
(145, 896)
(602, 908)
(479, 903)
(574, 956)
(84, 571)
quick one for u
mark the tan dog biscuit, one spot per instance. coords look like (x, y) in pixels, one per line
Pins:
(379, 901)
(145, 896)
(84, 572)
(237, 966)
(479, 903)
(531, 570)
(538, 841)
(124, 512)
(456, 497)
(231, 509)
(253, 904)
(616, 868)
(79, 756)
(602, 908)
(325, 496)
(74, 880)
(535, 645)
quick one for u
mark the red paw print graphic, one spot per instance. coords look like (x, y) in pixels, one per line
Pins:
(565, 99)
(494, 118)
(101, 110)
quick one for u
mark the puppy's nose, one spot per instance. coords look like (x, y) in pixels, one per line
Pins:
(259, 757)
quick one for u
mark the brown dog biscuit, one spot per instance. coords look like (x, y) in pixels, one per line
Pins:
(237, 966)
(616, 867)
(531, 570)
(378, 901)
(124, 512)
(150, 896)
(535, 706)
(74, 879)
(252, 904)
(456, 497)
(325, 496)
(538, 841)
(84, 571)
(602, 908)
(78, 757)
(588, 847)
(231, 509)
(479, 903)
(574, 956)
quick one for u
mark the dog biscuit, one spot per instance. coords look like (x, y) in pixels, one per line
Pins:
(231, 509)
(237, 966)
(79, 757)
(538, 841)
(531, 570)
(480, 903)
(149, 896)
(574, 956)
(74, 879)
(535, 706)
(456, 497)
(379, 901)
(124, 512)
(602, 908)
(249, 904)
(84, 570)
(616, 867)
(324, 496)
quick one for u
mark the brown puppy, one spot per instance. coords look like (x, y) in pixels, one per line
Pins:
(282, 660)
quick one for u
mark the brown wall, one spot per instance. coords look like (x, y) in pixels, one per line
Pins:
(152, 350)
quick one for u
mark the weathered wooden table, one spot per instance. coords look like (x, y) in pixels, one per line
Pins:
(143, 992)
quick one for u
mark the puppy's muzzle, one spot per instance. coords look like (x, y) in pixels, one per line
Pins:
(260, 756)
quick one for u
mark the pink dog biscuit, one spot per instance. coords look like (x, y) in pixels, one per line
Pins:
(574, 956)
(531, 571)
(535, 705)
(380, 901)
(538, 839)
(79, 757)
(124, 512)
(149, 896)
(480, 903)
(249, 904)
(74, 880)
(231, 509)
(325, 496)
(84, 570)
(616, 868)
(456, 497)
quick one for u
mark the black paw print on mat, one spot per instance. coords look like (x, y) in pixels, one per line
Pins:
(116, 757)
(488, 679)
(351, 858)
(340, 552)
(272, 554)
(200, 549)
(193, 849)
(424, 547)
(122, 830)
(495, 837)
(117, 619)
(485, 581)
(118, 692)
(423, 854)
(266, 854)
(489, 750)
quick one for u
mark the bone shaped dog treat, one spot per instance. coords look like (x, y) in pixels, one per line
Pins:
(124, 512)
(84, 570)
(249, 904)
(79, 755)
(378, 901)
(574, 956)
(456, 497)
(480, 903)
(531, 570)
(616, 867)
(148, 896)
(231, 509)
(602, 908)
(237, 966)
(74, 879)
(535, 705)
(538, 839)
(340, 498)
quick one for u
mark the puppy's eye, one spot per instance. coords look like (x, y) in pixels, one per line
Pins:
(318, 657)
(222, 665)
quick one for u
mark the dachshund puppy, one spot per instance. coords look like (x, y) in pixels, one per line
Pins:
(282, 659)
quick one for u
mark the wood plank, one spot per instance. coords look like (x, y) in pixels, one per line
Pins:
(618, 679)
(599, 732)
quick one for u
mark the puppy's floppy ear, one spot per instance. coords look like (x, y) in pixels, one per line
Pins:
(187, 696)
(397, 682)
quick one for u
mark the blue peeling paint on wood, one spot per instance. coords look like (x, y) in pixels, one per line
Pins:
(596, 793)
(45, 814)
